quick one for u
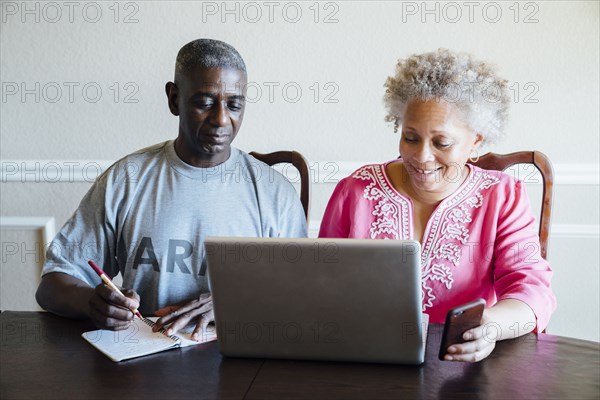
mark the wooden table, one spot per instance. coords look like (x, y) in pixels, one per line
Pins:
(43, 356)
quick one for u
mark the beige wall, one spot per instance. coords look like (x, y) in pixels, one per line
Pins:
(60, 138)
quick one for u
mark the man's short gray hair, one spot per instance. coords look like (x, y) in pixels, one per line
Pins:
(457, 78)
(207, 53)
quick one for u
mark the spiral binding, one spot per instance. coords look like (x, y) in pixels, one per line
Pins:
(162, 330)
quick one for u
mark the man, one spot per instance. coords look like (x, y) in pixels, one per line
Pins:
(147, 216)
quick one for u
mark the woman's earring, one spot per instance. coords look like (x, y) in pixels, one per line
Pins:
(476, 158)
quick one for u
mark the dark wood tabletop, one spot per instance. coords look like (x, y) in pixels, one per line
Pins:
(43, 356)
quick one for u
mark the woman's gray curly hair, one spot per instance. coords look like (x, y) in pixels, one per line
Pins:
(457, 78)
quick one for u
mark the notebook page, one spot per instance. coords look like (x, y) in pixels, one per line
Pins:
(136, 341)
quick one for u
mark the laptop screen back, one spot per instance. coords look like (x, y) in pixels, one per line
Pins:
(320, 299)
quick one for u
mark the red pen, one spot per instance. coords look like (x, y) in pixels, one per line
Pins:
(110, 284)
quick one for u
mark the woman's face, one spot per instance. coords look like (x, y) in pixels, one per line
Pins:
(435, 145)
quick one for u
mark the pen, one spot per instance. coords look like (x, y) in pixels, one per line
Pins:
(107, 280)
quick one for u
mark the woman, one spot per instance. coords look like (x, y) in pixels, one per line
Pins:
(476, 229)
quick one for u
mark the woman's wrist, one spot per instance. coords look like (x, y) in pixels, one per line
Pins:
(508, 319)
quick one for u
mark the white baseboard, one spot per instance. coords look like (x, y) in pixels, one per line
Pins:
(45, 224)
(575, 231)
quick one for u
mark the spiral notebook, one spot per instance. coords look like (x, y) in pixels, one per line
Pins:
(138, 340)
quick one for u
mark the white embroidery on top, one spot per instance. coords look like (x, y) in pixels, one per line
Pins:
(448, 225)
(391, 211)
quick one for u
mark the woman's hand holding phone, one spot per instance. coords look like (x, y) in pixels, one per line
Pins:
(465, 336)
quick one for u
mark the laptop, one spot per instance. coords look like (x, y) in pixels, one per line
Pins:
(317, 299)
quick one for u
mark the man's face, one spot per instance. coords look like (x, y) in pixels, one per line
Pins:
(210, 104)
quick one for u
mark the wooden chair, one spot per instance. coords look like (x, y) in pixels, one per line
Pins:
(500, 162)
(298, 161)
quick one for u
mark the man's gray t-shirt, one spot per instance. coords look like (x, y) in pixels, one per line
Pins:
(147, 217)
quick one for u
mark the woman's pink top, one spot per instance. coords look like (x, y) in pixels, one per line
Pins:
(481, 241)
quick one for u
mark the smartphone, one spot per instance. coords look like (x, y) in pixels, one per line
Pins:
(458, 321)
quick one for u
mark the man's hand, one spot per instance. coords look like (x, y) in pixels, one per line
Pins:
(180, 316)
(110, 310)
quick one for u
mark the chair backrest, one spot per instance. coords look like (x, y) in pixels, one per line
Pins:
(500, 162)
(298, 161)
